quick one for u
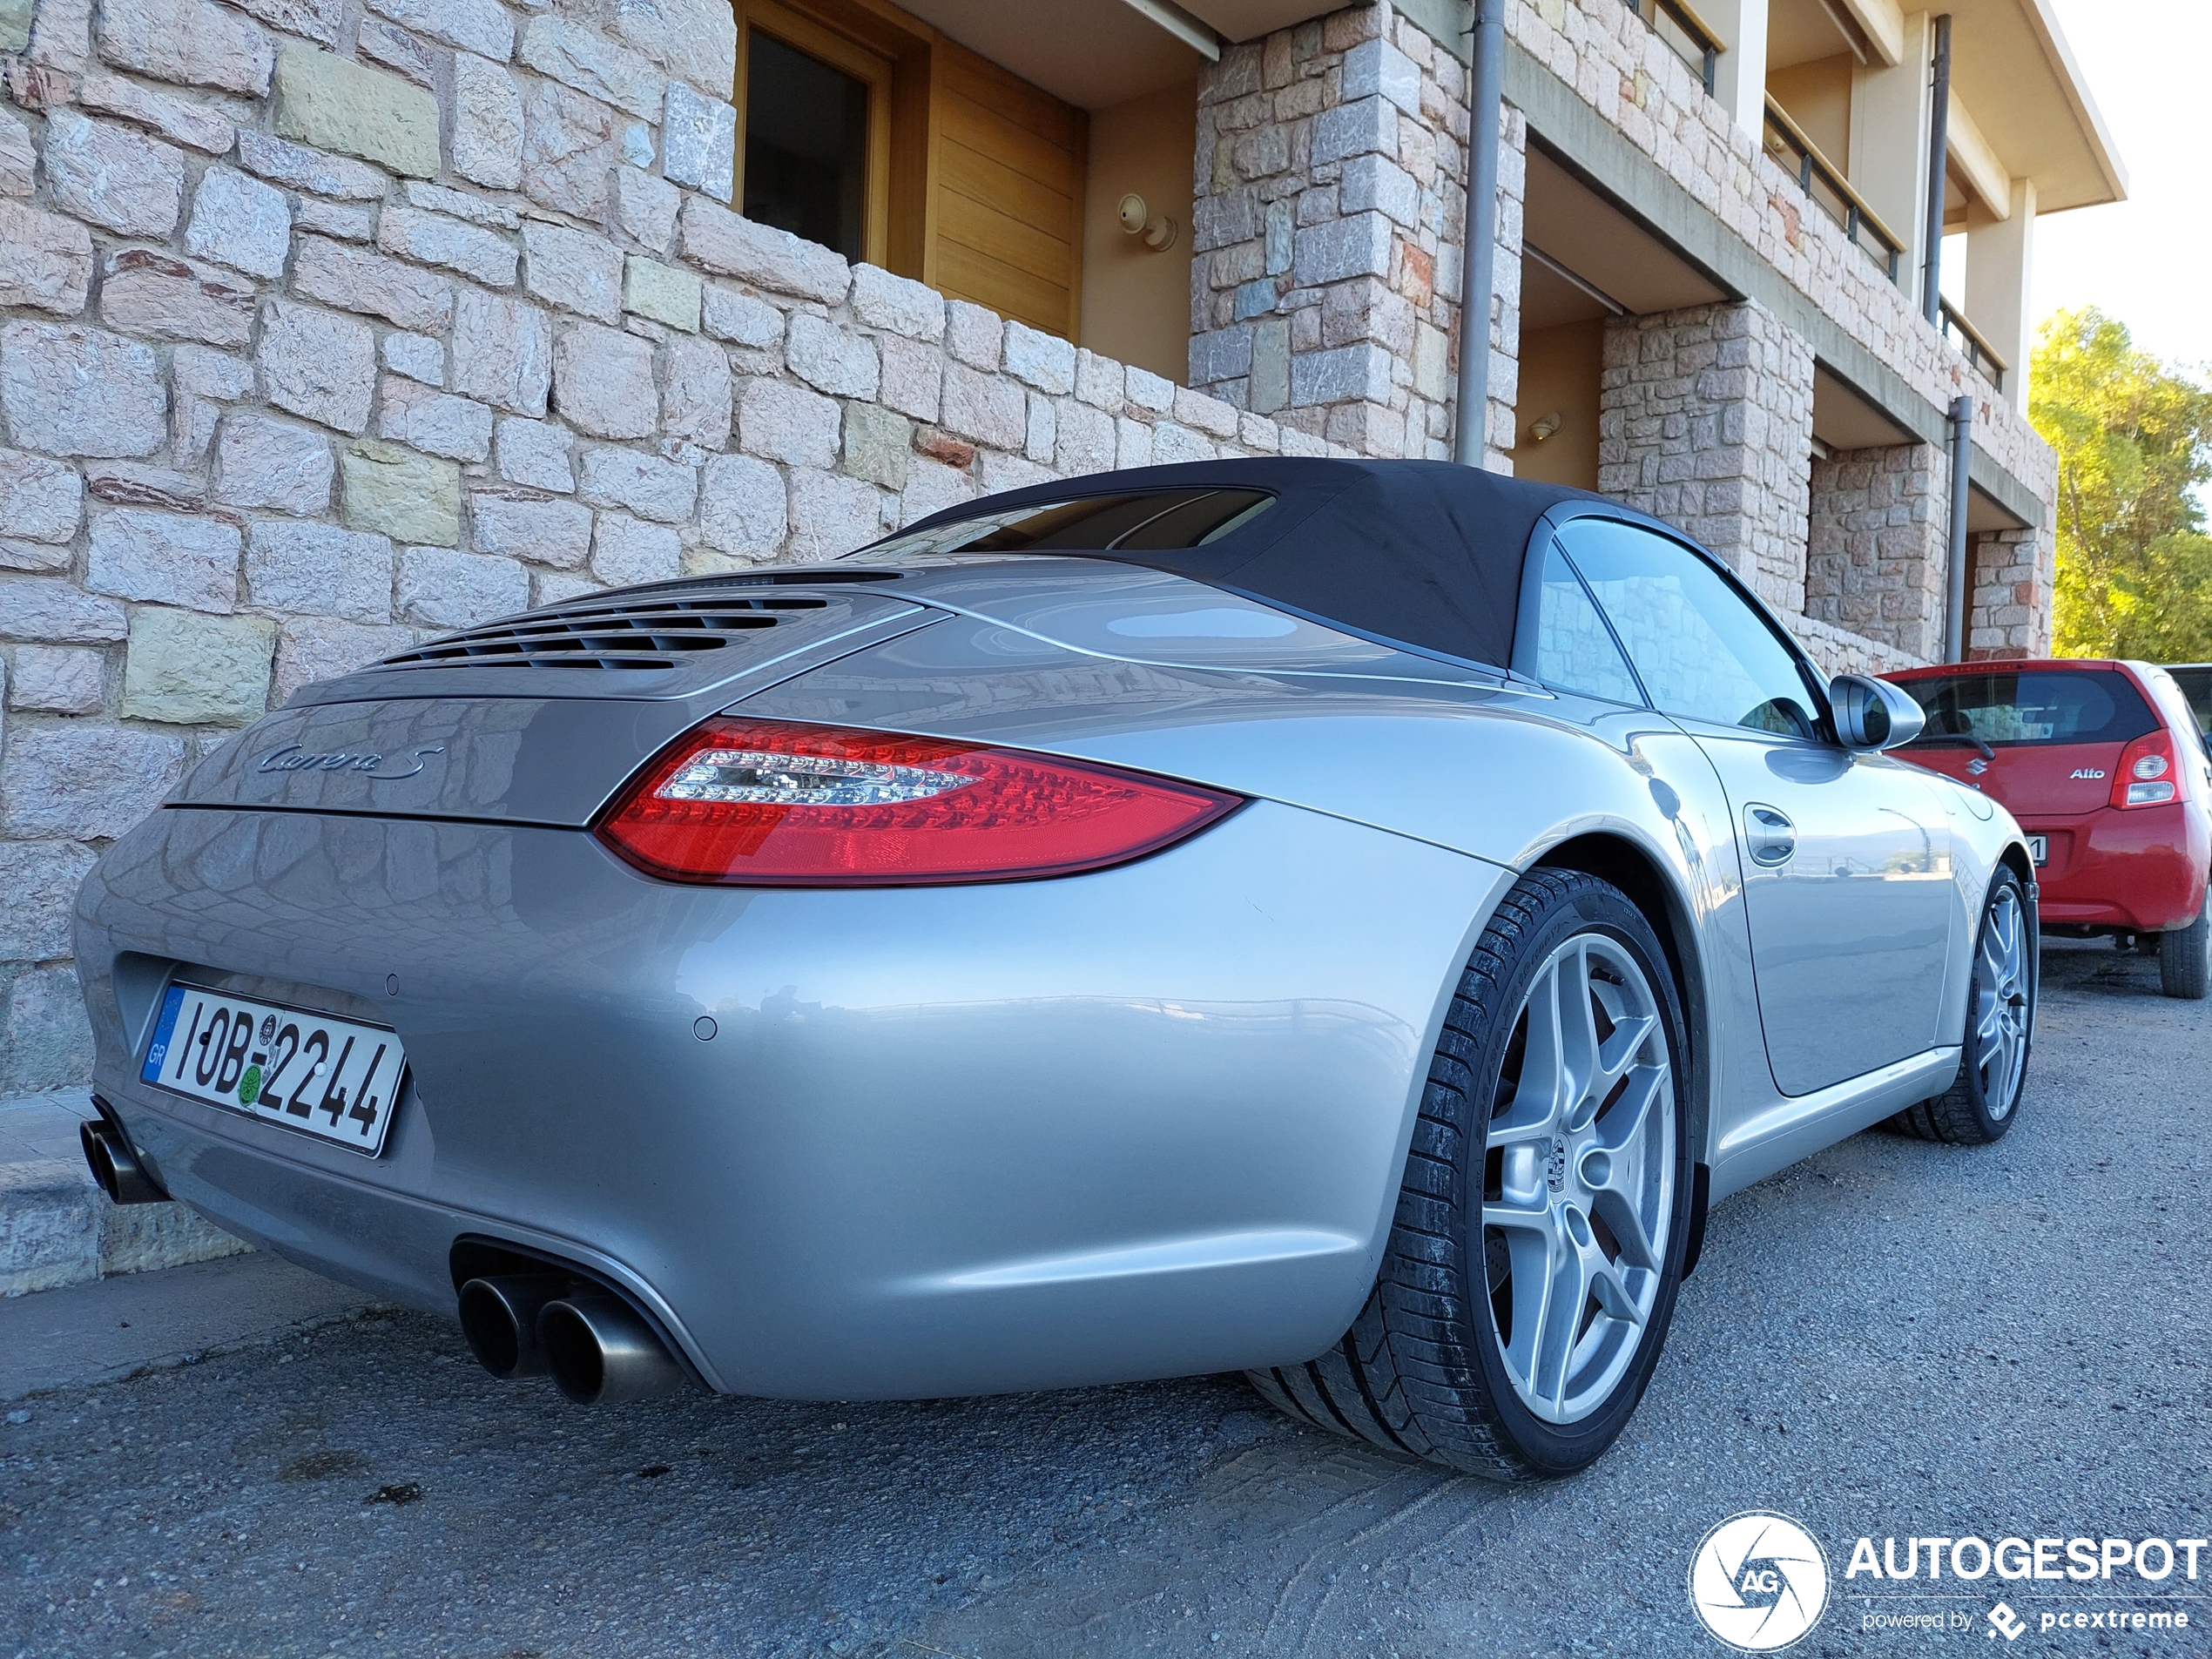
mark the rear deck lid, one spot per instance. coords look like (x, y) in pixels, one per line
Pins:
(539, 719)
(672, 639)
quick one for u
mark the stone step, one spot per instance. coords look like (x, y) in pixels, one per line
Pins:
(56, 1226)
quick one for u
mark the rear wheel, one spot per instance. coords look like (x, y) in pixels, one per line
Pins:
(1531, 1268)
(2185, 956)
(2000, 1021)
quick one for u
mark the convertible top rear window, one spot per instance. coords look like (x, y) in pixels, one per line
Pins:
(1420, 554)
(2040, 706)
(1149, 521)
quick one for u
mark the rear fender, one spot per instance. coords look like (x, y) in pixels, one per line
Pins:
(1479, 769)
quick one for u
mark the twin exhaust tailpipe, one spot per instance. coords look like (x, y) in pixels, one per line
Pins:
(598, 1348)
(595, 1345)
(114, 1164)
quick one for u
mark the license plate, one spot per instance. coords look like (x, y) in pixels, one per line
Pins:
(333, 1079)
(2039, 849)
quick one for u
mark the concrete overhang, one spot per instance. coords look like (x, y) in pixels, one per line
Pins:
(1594, 244)
(2019, 108)
(2012, 66)
(1093, 54)
(1843, 420)
(1804, 32)
(1249, 19)
(1593, 152)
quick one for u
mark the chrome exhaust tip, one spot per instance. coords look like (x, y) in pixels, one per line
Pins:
(115, 1166)
(600, 1351)
(499, 1318)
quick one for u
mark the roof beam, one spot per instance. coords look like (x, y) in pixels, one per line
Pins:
(1883, 24)
(1991, 179)
(1199, 37)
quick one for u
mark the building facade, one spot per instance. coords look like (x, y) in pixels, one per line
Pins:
(328, 324)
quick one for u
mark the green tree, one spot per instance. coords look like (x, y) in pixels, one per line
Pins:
(2134, 440)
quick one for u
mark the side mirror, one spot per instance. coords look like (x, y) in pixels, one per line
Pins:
(1873, 714)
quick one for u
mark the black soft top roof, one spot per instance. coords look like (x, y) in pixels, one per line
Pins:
(1423, 553)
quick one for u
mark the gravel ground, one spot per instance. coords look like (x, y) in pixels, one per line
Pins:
(1893, 1338)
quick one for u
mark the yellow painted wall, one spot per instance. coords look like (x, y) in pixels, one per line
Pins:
(1817, 97)
(1560, 369)
(1136, 302)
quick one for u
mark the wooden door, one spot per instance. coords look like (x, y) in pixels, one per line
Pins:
(974, 176)
(1010, 163)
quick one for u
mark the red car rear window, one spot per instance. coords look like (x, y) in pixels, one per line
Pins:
(2040, 706)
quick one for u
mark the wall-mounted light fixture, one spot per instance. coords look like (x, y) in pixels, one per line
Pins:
(1138, 220)
(1548, 426)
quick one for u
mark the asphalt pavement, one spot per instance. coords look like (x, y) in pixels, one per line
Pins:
(1891, 1340)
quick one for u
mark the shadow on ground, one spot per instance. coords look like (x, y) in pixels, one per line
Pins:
(1891, 1338)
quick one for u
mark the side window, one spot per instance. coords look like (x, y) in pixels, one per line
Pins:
(1702, 651)
(1574, 651)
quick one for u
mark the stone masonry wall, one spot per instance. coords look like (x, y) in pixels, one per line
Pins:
(323, 329)
(1705, 420)
(1329, 183)
(1634, 80)
(1840, 652)
(1880, 544)
(1327, 231)
(2009, 613)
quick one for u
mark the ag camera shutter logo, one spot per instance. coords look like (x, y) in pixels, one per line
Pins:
(1759, 1581)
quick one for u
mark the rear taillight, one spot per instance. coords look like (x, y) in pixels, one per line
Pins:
(2145, 776)
(773, 803)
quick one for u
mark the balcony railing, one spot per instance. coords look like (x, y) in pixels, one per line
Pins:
(1969, 344)
(1823, 181)
(1685, 32)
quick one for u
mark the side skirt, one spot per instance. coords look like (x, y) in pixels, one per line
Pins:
(1798, 1126)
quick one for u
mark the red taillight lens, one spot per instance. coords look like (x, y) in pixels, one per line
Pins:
(2145, 776)
(771, 803)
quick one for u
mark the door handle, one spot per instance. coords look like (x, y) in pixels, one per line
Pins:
(1769, 835)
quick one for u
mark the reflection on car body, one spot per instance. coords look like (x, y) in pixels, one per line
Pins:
(1340, 920)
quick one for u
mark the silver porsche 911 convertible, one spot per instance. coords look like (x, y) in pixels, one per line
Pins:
(1339, 922)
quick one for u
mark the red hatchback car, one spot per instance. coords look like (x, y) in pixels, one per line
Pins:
(2104, 765)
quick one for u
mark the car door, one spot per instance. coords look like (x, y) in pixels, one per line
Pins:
(1847, 857)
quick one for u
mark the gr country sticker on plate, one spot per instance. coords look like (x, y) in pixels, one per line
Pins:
(334, 1079)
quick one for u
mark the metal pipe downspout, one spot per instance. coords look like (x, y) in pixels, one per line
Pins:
(1478, 277)
(1962, 447)
(1939, 155)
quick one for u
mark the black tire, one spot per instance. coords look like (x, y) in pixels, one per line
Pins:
(2185, 957)
(1964, 1115)
(1421, 1372)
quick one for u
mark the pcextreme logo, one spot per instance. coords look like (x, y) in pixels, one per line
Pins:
(1759, 1581)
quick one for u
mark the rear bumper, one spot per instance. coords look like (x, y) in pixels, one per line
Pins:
(2142, 869)
(1143, 1122)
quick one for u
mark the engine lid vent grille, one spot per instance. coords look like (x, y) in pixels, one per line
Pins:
(620, 632)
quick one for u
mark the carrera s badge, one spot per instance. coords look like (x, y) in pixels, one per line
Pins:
(294, 759)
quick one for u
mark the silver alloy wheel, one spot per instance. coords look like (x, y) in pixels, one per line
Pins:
(2000, 1001)
(1579, 1178)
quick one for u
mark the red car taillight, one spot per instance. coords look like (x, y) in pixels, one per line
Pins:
(773, 803)
(2145, 775)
